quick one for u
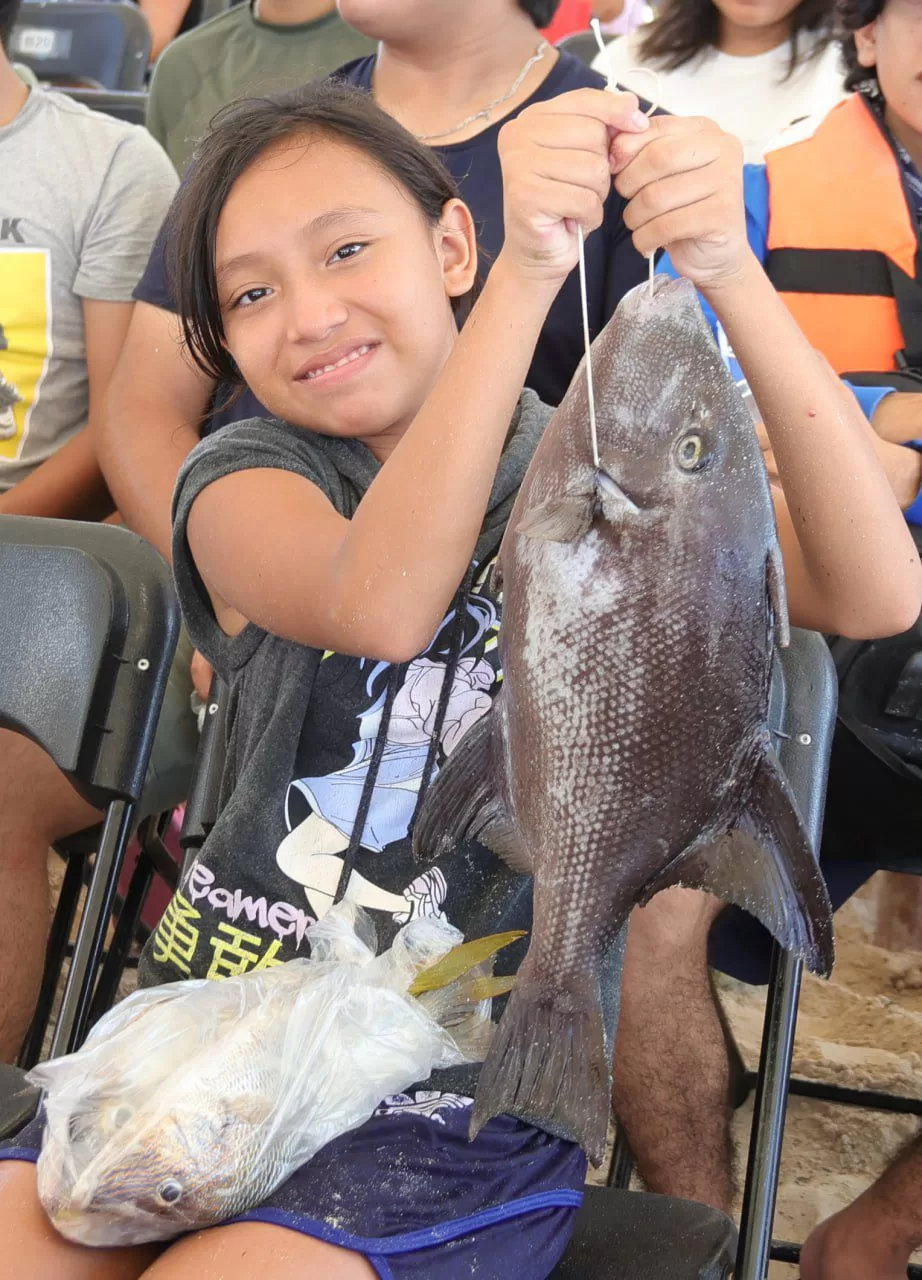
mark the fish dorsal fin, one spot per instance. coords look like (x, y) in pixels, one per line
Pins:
(765, 865)
(777, 594)
(463, 803)
(563, 519)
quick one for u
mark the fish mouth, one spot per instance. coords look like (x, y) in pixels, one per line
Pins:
(614, 500)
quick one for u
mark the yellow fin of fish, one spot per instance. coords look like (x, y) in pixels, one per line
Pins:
(460, 960)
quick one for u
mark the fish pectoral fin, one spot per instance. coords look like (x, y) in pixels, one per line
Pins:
(462, 803)
(563, 519)
(778, 596)
(766, 866)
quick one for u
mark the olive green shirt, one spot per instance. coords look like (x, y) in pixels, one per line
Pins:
(232, 56)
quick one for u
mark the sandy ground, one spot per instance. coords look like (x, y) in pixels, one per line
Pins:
(862, 1029)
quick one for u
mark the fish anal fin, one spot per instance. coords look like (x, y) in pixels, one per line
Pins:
(565, 519)
(777, 594)
(547, 1064)
(766, 866)
(463, 804)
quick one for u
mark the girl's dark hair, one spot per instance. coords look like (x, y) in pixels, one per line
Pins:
(682, 28)
(540, 11)
(239, 135)
(853, 15)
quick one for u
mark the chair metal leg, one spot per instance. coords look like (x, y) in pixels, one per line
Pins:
(73, 1019)
(768, 1116)
(125, 930)
(622, 1162)
(55, 954)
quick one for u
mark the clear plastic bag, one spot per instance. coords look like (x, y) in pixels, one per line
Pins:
(190, 1103)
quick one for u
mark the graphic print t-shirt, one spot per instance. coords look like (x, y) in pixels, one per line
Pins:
(82, 198)
(303, 731)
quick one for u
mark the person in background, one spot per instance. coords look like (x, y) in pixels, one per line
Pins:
(166, 18)
(82, 198)
(249, 49)
(874, 1237)
(754, 66)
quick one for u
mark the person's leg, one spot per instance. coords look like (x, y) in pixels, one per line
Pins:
(671, 1069)
(873, 1237)
(33, 1250)
(37, 807)
(257, 1249)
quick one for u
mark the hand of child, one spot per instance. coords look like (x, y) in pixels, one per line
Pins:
(556, 162)
(683, 180)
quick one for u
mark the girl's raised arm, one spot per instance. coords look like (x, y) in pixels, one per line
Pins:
(379, 584)
(851, 564)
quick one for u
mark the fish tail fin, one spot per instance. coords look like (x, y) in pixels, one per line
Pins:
(766, 865)
(548, 1063)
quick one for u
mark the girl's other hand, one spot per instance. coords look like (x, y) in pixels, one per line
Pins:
(557, 172)
(683, 180)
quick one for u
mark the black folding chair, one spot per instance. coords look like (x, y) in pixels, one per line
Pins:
(802, 715)
(130, 106)
(89, 627)
(82, 42)
(880, 702)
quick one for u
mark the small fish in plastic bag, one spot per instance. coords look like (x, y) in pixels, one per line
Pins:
(191, 1102)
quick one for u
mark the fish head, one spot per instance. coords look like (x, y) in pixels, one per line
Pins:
(171, 1172)
(675, 438)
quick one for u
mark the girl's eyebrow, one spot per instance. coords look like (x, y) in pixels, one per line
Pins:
(323, 222)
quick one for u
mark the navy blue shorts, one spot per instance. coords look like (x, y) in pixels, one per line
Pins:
(409, 1192)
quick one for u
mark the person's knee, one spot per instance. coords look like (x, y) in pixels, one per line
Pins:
(673, 927)
(37, 802)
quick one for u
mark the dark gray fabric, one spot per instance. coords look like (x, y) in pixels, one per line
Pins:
(271, 681)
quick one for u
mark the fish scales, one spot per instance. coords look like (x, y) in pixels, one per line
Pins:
(629, 749)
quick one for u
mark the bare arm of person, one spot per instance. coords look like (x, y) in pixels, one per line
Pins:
(898, 417)
(164, 17)
(151, 422)
(70, 484)
(851, 564)
(379, 584)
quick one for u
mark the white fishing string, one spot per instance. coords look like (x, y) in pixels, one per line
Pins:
(606, 52)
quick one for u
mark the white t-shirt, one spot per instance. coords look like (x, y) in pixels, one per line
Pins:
(746, 96)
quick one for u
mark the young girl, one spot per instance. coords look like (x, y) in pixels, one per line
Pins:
(752, 67)
(332, 564)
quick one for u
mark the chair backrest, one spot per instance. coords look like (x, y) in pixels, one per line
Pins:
(205, 787)
(106, 46)
(130, 105)
(803, 713)
(88, 627)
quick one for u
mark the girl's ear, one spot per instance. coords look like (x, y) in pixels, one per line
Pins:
(866, 44)
(456, 245)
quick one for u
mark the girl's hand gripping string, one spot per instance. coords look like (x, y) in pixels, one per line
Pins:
(683, 179)
(557, 173)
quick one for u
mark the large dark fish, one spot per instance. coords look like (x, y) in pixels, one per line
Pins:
(629, 747)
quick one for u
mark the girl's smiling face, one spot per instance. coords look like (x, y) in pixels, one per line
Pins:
(335, 290)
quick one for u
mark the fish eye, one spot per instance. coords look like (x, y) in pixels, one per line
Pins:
(122, 1115)
(169, 1192)
(690, 453)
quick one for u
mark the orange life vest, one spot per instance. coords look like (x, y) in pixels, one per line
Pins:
(842, 237)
